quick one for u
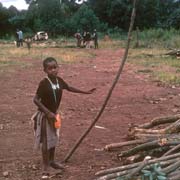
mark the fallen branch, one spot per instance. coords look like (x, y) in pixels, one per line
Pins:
(152, 137)
(172, 167)
(173, 128)
(156, 152)
(129, 173)
(114, 175)
(149, 136)
(160, 121)
(82, 137)
(167, 159)
(115, 146)
(174, 52)
(175, 176)
(139, 168)
(172, 150)
(147, 146)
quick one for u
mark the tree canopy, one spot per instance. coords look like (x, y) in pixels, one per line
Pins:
(65, 17)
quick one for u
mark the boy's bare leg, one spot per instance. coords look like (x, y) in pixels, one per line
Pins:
(45, 154)
(51, 154)
(53, 164)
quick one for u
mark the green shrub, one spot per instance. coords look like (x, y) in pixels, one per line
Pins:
(158, 38)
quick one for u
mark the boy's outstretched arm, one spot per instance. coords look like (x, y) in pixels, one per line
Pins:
(38, 103)
(75, 90)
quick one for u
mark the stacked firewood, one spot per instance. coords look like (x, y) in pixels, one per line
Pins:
(174, 52)
(152, 152)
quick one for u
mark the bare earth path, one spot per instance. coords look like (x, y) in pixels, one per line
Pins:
(135, 99)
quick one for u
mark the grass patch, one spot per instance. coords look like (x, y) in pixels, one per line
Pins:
(111, 44)
(12, 56)
(8, 65)
(152, 58)
(68, 55)
(152, 61)
(167, 77)
(145, 71)
(162, 68)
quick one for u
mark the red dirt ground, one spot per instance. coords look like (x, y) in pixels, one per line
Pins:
(136, 99)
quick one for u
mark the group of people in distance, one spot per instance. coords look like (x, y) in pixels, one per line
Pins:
(86, 38)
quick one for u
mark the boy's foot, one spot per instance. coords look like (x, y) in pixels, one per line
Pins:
(56, 165)
(45, 175)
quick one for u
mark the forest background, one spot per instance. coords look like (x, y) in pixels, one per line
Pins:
(65, 17)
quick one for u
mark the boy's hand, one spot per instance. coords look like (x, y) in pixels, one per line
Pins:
(51, 115)
(91, 91)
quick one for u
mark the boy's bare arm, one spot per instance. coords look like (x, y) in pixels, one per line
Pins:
(75, 90)
(48, 113)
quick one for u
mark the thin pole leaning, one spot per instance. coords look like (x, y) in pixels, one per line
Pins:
(78, 142)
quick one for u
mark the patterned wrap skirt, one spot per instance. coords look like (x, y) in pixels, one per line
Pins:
(44, 131)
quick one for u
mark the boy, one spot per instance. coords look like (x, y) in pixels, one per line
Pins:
(47, 99)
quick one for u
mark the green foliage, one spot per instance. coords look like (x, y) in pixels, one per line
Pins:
(155, 13)
(85, 19)
(155, 172)
(64, 17)
(147, 13)
(167, 78)
(4, 23)
(119, 13)
(101, 9)
(174, 19)
(117, 33)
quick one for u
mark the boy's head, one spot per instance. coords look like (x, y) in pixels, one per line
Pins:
(50, 66)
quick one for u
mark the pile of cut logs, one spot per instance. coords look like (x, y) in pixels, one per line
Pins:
(175, 52)
(152, 152)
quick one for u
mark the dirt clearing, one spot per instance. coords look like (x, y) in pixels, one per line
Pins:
(135, 99)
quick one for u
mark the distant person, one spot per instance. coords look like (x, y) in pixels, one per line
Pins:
(20, 37)
(88, 39)
(28, 42)
(78, 38)
(95, 38)
(17, 38)
(47, 99)
(84, 38)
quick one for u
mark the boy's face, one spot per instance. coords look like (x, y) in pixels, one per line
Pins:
(52, 69)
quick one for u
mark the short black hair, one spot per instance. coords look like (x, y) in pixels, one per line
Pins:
(48, 60)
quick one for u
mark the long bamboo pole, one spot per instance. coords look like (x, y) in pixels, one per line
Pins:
(69, 154)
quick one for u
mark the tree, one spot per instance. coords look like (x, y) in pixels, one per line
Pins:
(100, 8)
(119, 13)
(85, 19)
(147, 13)
(174, 19)
(49, 15)
(4, 23)
(155, 13)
